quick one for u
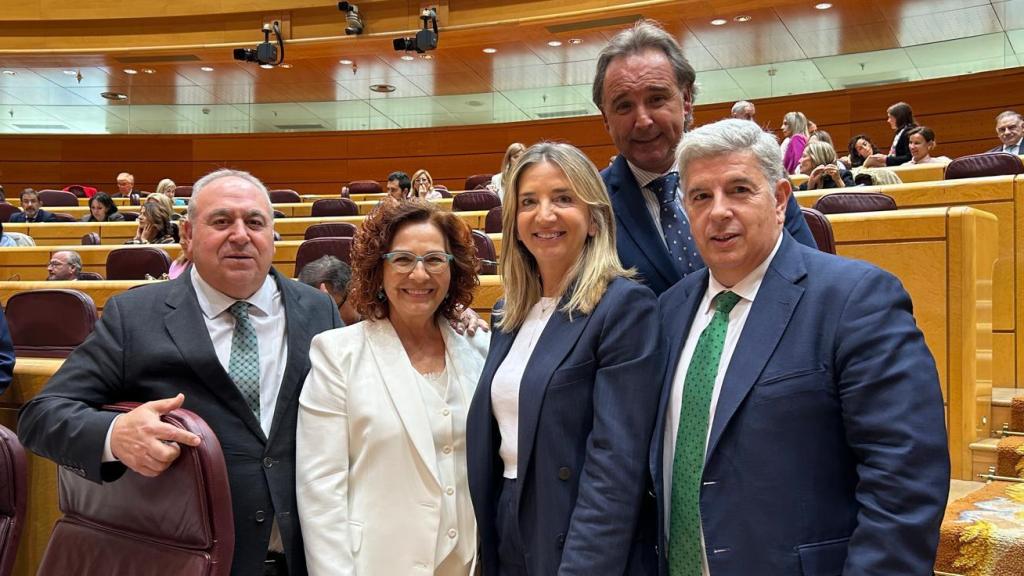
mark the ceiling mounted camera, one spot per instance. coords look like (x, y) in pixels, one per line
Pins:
(353, 22)
(425, 39)
(266, 54)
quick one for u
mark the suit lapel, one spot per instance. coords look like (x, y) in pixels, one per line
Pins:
(187, 328)
(769, 316)
(635, 221)
(298, 331)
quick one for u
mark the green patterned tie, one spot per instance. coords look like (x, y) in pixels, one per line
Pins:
(685, 555)
(244, 366)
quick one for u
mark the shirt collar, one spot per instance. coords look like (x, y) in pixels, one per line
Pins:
(644, 177)
(746, 288)
(213, 302)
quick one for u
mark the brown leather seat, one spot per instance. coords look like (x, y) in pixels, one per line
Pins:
(364, 187)
(6, 210)
(334, 207)
(51, 198)
(485, 252)
(443, 190)
(492, 224)
(978, 165)
(179, 522)
(49, 323)
(821, 229)
(91, 239)
(63, 217)
(477, 179)
(135, 262)
(475, 200)
(846, 202)
(129, 216)
(13, 497)
(284, 197)
(90, 276)
(182, 191)
(309, 250)
(330, 230)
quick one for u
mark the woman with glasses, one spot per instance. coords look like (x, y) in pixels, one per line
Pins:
(381, 437)
(560, 426)
(423, 186)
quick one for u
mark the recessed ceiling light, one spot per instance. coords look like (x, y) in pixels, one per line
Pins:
(344, 61)
(285, 66)
(71, 72)
(823, 6)
(114, 95)
(554, 43)
(743, 18)
(207, 68)
(719, 22)
(382, 88)
(490, 50)
(266, 66)
(575, 41)
(407, 57)
(130, 71)
(148, 71)
(9, 72)
(427, 56)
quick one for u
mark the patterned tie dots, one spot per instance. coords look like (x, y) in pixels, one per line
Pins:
(674, 225)
(244, 366)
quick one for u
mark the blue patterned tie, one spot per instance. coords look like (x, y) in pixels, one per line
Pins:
(675, 226)
(244, 366)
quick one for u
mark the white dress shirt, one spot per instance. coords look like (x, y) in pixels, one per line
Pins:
(747, 290)
(1015, 148)
(643, 178)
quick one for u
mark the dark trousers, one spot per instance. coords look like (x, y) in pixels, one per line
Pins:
(275, 565)
(511, 556)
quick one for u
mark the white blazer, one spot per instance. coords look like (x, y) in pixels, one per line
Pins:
(369, 497)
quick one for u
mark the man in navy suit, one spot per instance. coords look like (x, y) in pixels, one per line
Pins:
(801, 429)
(31, 209)
(1010, 129)
(644, 89)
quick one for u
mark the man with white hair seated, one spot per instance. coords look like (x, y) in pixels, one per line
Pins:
(744, 110)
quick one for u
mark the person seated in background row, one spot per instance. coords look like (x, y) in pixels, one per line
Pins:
(125, 185)
(860, 148)
(154, 225)
(31, 209)
(398, 185)
(922, 142)
(1010, 129)
(6, 354)
(14, 239)
(180, 264)
(6, 240)
(743, 110)
(330, 275)
(423, 186)
(794, 128)
(166, 187)
(3, 196)
(166, 201)
(512, 153)
(819, 163)
(820, 136)
(901, 119)
(102, 209)
(64, 265)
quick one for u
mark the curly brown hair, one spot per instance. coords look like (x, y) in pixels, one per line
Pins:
(374, 239)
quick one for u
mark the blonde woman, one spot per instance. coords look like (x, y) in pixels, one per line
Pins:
(559, 428)
(423, 186)
(819, 163)
(166, 187)
(512, 153)
(154, 225)
(794, 128)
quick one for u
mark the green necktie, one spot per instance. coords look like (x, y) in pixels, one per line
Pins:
(684, 557)
(244, 366)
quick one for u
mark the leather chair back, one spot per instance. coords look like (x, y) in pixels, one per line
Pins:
(821, 229)
(63, 217)
(49, 323)
(129, 216)
(364, 187)
(6, 210)
(477, 179)
(50, 198)
(492, 224)
(90, 276)
(475, 200)
(285, 197)
(330, 230)
(133, 263)
(486, 253)
(846, 202)
(443, 190)
(91, 239)
(182, 191)
(334, 207)
(179, 522)
(309, 250)
(13, 497)
(978, 165)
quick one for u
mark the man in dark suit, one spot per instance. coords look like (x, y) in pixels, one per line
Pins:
(1010, 129)
(6, 354)
(644, 89)
(229, 340)
(802, 427)
(31, 209)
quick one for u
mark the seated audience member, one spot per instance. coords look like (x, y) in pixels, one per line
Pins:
(154, 225)
(31, 209)
(819, 163)
(398, 185)
(794, 128)
(922, 142)
(1010, 129)
(330, 275)
(6, 354)
(125, 185)
(423, 186)
(3, 196)
(6, 240)
(166, 187)
(64, 265)
(102, 209)
(512, 153)
(901, 119)
(860, 148)
(744, 110)
(180, 264)
(820, 136)
(166, 201)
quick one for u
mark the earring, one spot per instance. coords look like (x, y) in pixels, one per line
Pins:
(381, 296)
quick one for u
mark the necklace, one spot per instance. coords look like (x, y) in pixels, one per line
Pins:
(546, 304)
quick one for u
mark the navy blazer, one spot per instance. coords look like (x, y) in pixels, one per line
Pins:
(901, 154)
(827, 453)
(41, 216)
(587, 405)
(639, 242)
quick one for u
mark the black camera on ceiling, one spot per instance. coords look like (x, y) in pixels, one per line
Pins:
(425, 39)
(353, 22)
(265, 53)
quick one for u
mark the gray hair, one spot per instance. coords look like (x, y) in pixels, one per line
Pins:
(740, 106)
(205, 181)
(645, 35)
(74, 260)
(730, 136)
(327, 270)
(1007, 114)
(797, 122)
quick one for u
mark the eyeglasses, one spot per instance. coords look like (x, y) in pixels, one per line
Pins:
(405, 262)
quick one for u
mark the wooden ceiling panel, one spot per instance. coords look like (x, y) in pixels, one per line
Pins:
(539, 76)
(449, 84)
(847, 40)
(894, 10)
(803, 18)
(948, 25)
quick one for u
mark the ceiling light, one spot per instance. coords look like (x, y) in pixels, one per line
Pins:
(823, 6)
(554, 43)
(743, 18)
(719, 22)
(9, 72)
(267, 66)
(130, 71)
(345, 61)
(207, 68)
(284, 66)
(148, 71)
(575, 41)
(490, 50)
(382, 88)
(114, 95)
(71, 72)
(407, 57)
(427, 56)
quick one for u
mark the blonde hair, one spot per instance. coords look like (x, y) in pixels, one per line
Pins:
(415, 191)
(162, 199)
(820, 153)
(597, 264)
(166, 187)
(508, 162)
(796, 122)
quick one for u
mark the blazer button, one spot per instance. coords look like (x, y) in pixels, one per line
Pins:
(268, 462)
(564, 473)
(561, 540)
(260, 516)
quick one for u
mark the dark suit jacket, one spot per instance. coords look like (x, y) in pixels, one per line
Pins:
(640, 244)
(827, 453)
(829, 183)
(587, 405)
(152, 343)
(41, 216)
(6, 354)
(901, 155)
(1020, 148)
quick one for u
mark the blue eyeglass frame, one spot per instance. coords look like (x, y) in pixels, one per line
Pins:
(419, 259)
